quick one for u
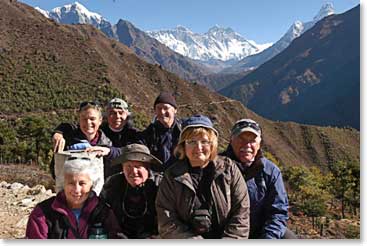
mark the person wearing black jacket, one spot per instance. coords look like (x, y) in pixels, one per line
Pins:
(132, 192)
(161, 136)
(119, 127)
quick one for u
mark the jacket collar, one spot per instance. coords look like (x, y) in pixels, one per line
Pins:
(182, 175)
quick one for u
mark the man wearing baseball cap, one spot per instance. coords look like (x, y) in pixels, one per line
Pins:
(268, 197)
(161, 136)
(132, 192)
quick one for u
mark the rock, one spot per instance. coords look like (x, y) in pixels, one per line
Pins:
(27, 202)
(15, 186)
(36, 190)
(22, 223)
(4, 184)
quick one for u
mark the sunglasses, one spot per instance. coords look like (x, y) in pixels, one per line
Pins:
(78, 158)
(243, 124)
(117, 105)
(87, 103)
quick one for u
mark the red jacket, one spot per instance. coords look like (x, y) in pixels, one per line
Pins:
(37, 227)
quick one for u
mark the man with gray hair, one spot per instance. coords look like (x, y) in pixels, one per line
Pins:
(132, 193)
(268, 197)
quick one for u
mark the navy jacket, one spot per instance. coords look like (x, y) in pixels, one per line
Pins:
(161, 141)
(268, 197)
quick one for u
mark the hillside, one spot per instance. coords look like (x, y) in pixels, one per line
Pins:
(46, 69)
(41, 77)
(315, 80)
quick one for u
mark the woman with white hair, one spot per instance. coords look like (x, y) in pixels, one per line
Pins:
(75, 212)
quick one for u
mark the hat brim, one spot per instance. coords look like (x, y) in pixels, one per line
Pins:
(247, 129)
(136, 156)
(199, 125)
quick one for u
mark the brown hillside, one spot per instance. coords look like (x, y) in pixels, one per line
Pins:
(47, 67)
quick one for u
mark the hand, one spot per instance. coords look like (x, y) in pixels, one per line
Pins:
(100, 150)
(58, 142)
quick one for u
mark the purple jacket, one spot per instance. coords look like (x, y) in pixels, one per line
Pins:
(37, 227)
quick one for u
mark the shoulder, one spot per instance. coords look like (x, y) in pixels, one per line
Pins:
(104, 140)
(269, 167)
(114, 182)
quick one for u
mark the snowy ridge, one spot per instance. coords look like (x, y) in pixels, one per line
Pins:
(216, 44)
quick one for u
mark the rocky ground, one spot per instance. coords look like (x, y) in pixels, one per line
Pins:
(23, 186)
(16, 203)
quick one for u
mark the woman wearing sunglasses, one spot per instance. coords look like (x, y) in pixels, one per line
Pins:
(202, 195)
(85, 134)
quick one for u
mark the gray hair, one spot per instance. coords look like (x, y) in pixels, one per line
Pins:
(81, 165)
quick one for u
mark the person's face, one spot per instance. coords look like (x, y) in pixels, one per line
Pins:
(89, 121)
(165, 114)
(245, 146)
(198, 150)
(116, 118)
(77, 188)
(135, 172)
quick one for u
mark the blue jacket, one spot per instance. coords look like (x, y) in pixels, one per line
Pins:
(268, 197)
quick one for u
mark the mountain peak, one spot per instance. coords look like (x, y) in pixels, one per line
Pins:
(218, 28)
(76, 8)
(181, 28)
(326, 10)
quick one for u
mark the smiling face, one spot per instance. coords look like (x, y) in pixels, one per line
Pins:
(135, 172)
(117, 118)
(165, 114)
(77, 188)
(89, 120)
(245, 146)
(198, 150)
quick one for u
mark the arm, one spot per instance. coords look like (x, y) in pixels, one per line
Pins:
(58, 139)
(238, 223)
(169, 225)
(37, 227)
(276, 209)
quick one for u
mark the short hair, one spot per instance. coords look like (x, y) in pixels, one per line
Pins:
(81, 165)
(197, 131)
(90, 106)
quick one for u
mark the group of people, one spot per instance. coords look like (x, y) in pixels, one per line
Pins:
(167, 181)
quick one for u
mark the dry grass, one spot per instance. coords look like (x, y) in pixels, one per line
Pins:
(26, 174)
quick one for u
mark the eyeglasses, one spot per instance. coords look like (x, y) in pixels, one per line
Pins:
(243, 124)
(86, 103)
(193, 143)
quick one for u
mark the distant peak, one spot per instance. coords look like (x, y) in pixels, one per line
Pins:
(182, 28)
(217, 28)
(326, 10)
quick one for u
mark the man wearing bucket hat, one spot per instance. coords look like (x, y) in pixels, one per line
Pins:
(132, 193)
(202, 195)
(161, 136)
(268, 197)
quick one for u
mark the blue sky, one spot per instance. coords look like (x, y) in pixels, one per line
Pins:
(260, 20)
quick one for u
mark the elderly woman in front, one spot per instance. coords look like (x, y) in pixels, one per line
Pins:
(202, 195)
(75, 212)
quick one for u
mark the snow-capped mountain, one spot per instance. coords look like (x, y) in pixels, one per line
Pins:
(296, 30)
(216, 44)
(76, 13)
